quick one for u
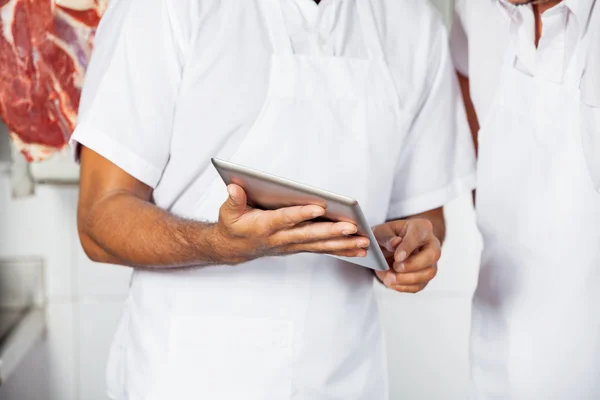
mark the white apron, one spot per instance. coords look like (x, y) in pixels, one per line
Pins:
(536, 311)
(304, 327)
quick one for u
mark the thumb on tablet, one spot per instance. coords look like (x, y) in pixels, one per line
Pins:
(235, 205)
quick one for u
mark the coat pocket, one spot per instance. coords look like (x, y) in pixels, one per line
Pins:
(229, 358)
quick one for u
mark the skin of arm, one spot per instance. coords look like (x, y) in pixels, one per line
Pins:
(470, 108)
(114, 206)
(119, 224)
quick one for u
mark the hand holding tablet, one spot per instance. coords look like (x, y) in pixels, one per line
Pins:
(269, 192)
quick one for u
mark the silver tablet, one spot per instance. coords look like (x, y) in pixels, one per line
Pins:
(270, 192)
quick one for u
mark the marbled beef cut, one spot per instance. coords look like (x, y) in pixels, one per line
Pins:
(45, 47)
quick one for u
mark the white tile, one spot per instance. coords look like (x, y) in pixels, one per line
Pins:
(42, 225)
(49, 371)
(98, 325)
(427, 346)
(100, 280)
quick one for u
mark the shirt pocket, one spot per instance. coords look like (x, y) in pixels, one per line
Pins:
(229, 358)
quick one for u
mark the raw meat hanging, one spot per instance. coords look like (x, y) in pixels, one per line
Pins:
(45, 46)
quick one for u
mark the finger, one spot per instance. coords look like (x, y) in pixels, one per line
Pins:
(329, 246)
(408, 288)
(421, 277)
(390, 244)
(312, 232)
(287, 217)
(428, 255)
(388, 252)
(416, 236)
(388, 278)
(386, 237)
(236, 204)
(360, 253)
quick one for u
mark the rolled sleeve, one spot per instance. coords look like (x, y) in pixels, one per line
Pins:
(438, 162)
(131, 85)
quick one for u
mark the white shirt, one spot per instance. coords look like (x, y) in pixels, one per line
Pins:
(170, 81)
(481, 33)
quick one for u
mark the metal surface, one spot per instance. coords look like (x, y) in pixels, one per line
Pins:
(26, 330)
(4, 149)
(58, 170)
(22, 314)
(61, 169)
(20, 176)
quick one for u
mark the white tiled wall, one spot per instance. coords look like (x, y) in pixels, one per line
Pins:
(99, 281)
(27, 229)
(84, 299)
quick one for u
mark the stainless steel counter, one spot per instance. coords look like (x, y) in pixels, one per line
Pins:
(22, 330)
(8, 320)
(22, 313)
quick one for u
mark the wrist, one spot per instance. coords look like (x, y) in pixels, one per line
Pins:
(223, 246)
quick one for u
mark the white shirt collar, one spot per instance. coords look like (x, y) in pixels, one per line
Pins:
(581, 9)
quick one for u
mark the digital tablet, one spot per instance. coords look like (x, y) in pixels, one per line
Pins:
(270, 192)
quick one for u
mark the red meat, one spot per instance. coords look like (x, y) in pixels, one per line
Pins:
(45, 46)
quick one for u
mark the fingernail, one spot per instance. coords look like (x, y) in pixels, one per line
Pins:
(363, 245)
(401, 256)
(317, 213)
(390, 279)
(230, 191)
(349, 231)
(363, 254)
(401, 267)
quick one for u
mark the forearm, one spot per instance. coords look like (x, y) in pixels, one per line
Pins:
(123, 229)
